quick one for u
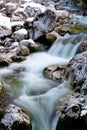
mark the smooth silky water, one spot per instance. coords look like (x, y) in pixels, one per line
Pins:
(29, 89)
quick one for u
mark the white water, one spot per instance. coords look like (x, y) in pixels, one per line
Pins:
(39, 96)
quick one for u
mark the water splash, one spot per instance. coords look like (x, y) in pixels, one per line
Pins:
(32, 91)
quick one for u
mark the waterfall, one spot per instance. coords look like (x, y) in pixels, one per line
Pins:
(32, 91)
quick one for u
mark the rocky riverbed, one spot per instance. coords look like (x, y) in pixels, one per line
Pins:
(31, 26)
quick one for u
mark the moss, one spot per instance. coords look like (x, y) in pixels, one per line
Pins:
(78, 29)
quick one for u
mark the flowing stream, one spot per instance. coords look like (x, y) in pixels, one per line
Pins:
(39, 96)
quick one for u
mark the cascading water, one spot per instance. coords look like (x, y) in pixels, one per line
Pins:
(37, 95)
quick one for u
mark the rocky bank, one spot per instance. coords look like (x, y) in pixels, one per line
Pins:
(28, 26)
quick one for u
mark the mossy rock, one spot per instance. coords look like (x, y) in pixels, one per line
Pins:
(78, 29)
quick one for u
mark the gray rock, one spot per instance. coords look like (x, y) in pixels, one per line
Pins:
(33, 47)
(54, 72)
(77, 70)
(10, 8)
(20, 34)
(83, 46)
(74, 114)
(32, 11)
(42, 24)
(5, 61)
(15, 119)
(4, 32)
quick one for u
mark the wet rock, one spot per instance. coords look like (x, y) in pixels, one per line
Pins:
(18, 16)
(4, 50)
(19, 51)
(54, 72)
(18, 58)
(63, 14)
(76, 29)
(13, 1)
(79, 3)
(1, 89)
(4, 32)
(8, 42)
(32, 11)
(10, 8)
(83, 46)
(51, 37)
(42, 24)
(5, 61)
(74, 115)
(77, 70)
(15, 119)
(20, 35)
(33, 47)
(24, 51)
(17, 26)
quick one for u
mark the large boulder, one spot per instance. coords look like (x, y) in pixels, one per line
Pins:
(74, 114)
(15, 119)
(77, 70)
(42, 24)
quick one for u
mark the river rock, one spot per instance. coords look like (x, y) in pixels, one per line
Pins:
(17, 26)
(13, 1)
(10, 8)
(54, 72)
(1, 89)
(74, 114)
(51, 37)
(20, 34)
(19, 51)
(18, 58)
(77, 70)
(42, 24)
(33, 47)
(83, 46)
(32, 11)
(24, 51)
(78, 3)
(15, 119)
(5, 61)
(5, 32)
